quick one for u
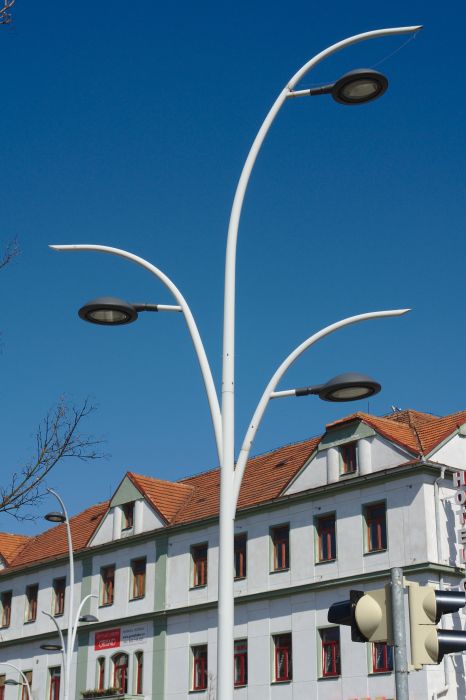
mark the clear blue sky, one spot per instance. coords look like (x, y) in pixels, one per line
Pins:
(128, 124)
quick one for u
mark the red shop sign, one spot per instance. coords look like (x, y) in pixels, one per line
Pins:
(109, 639)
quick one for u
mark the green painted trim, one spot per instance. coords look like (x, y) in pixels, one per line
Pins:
(125, 493)
(86, 583)
(81, 662)
(348, 433)
(160, 576)
(159, 658)
(358, 482)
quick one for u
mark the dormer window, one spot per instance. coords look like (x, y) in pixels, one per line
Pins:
(128, 516)
(349, 461)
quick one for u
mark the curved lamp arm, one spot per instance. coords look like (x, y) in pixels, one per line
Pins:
(71, 596)
(78, 615)
(190, 322)
(230, 262)
(62, 642)
(18, 670)
(270, 388)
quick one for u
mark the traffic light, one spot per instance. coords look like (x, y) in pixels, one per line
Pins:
(367, 613)
(426, 607)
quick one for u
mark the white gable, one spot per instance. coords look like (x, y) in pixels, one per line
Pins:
(375, 453)
(453, 452)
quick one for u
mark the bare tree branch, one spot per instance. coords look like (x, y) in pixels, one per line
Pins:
(10, 251)
(57, 438)
(5, 14)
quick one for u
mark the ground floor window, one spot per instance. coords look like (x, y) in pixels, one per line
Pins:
(283, 657)
(241, 662)
(54, 683)
(330, 649)
(101, 673)
(120, 672)
(139, 659)
(24, 690)
(199, 667)
(382, 657)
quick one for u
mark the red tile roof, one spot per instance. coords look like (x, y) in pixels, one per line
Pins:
(166, 496)
(265, 479)
(53, 542)
(10, 545)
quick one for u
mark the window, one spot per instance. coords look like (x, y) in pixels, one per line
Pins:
(349, 462)
(326, 539)
(138, 575)
(139, 658)
(5, 601)
(241, 662)
(281, 547)
(376, 527)
(128, 516)
(330, 643)
(108, 585)
(54, 683)
(120, 672)
(199, 557)
(283, 670)
(382, 657)
(24, 688)
(59, 586)
(31, 602)
(199, 667)
(101, 673)
(2, 687)
(240, 556)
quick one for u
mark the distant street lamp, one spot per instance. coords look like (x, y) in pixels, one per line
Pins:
(67, 650)
(353, 88)
(11, 681)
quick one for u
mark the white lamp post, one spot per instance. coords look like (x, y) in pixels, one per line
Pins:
(25, 681)
(354, 88)
(67, 650)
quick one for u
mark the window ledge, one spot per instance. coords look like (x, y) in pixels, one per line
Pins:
(196, 588)
(325, 561)
(380, 673)
(287, 682)
(138, 597)
(329, 678)
(279, 571)
(375, 551)
(240, 685)
(240, 578)
(29, 622)
(105, 605)
(349, 475)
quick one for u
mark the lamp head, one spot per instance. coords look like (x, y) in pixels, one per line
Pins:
(108, 311)
(349, 386)
(51, 647)
(359, 86)
(55, 517)
(88, 618)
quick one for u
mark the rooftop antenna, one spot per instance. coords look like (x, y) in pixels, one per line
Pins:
(396, 409)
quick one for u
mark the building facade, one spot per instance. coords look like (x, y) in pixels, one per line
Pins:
(315, 519)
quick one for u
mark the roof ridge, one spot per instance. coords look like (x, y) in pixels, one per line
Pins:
(155, 478)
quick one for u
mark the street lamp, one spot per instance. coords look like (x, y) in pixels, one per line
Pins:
(67, 650)
(11, 681)
(355, 87)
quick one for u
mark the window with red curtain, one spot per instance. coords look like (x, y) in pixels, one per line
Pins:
(382, 657)
(2, 687)
(199, 557)
(283, 657)
(31, 602)
(327, 544)
(281, 547)
(6, 608)
(24, 688)
(120, 672)
(138, 568)
(59, 587)
(108, 585)
(241, 662)
(139, 670)
(330, 641)
(101, 673)
(54, 681)
(128, 516)
(199, 667)
(240, 556)
(349, 462)
(376, 527)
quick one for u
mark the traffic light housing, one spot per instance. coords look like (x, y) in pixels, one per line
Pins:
(367, 613)
(426, 607)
